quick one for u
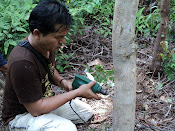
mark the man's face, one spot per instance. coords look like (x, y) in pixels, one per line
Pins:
(53, 41)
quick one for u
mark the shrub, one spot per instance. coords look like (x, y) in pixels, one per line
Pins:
(13, 22)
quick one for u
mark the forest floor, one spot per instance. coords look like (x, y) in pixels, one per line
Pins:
(155, 107)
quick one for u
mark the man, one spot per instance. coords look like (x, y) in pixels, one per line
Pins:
(3, 65)
(3, 69)
(28, 102)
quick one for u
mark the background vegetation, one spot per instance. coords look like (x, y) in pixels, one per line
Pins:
(14, 15)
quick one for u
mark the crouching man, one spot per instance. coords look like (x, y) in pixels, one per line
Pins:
(29, 103)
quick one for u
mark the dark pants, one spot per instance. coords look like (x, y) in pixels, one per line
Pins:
(2, 61)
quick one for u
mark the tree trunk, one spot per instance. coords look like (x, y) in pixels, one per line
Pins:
(161, 36)
(124, 60)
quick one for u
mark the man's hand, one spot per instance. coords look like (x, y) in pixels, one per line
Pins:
(67, 85)
(86, 91)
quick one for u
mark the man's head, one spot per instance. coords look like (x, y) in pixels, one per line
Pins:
(47, 15)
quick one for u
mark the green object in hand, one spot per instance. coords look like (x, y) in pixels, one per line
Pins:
(80, 80)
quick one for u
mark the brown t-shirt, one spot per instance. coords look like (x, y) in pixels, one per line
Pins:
(26, 81)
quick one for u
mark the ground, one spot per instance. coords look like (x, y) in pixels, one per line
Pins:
(155, 107)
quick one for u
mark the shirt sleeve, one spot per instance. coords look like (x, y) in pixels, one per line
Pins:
(26, 82)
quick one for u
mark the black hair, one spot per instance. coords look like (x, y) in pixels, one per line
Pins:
(47, 14)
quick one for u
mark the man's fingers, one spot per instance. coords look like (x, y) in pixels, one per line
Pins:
(96, 97)
(92, 83)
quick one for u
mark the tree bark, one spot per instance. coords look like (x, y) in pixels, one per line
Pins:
(124, 60)
(161, 36)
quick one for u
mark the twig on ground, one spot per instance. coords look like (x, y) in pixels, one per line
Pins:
(168, 111)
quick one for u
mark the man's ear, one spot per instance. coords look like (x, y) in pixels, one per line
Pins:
(37, 33)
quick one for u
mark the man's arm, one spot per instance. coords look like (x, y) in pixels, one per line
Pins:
(60, 81)
(46, 105)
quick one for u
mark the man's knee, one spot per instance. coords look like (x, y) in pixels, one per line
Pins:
(83, 110)
(68, 111)
(47, 122)
(53, 122)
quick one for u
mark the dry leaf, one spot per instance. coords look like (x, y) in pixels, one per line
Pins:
(146, 107)
(152, 121)
(163, 98)
(95, 62)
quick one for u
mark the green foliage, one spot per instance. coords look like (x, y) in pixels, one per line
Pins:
(140, 22)
(104, 77)
(100, 12)
(106, 127)
(104, 16)
(170, 67)
(13, 22)
(62, 62)
(15, 13)
(170, 36)
(159, 86)
(149, 23)
(172, 9)
(95, 11)
(168, 58)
